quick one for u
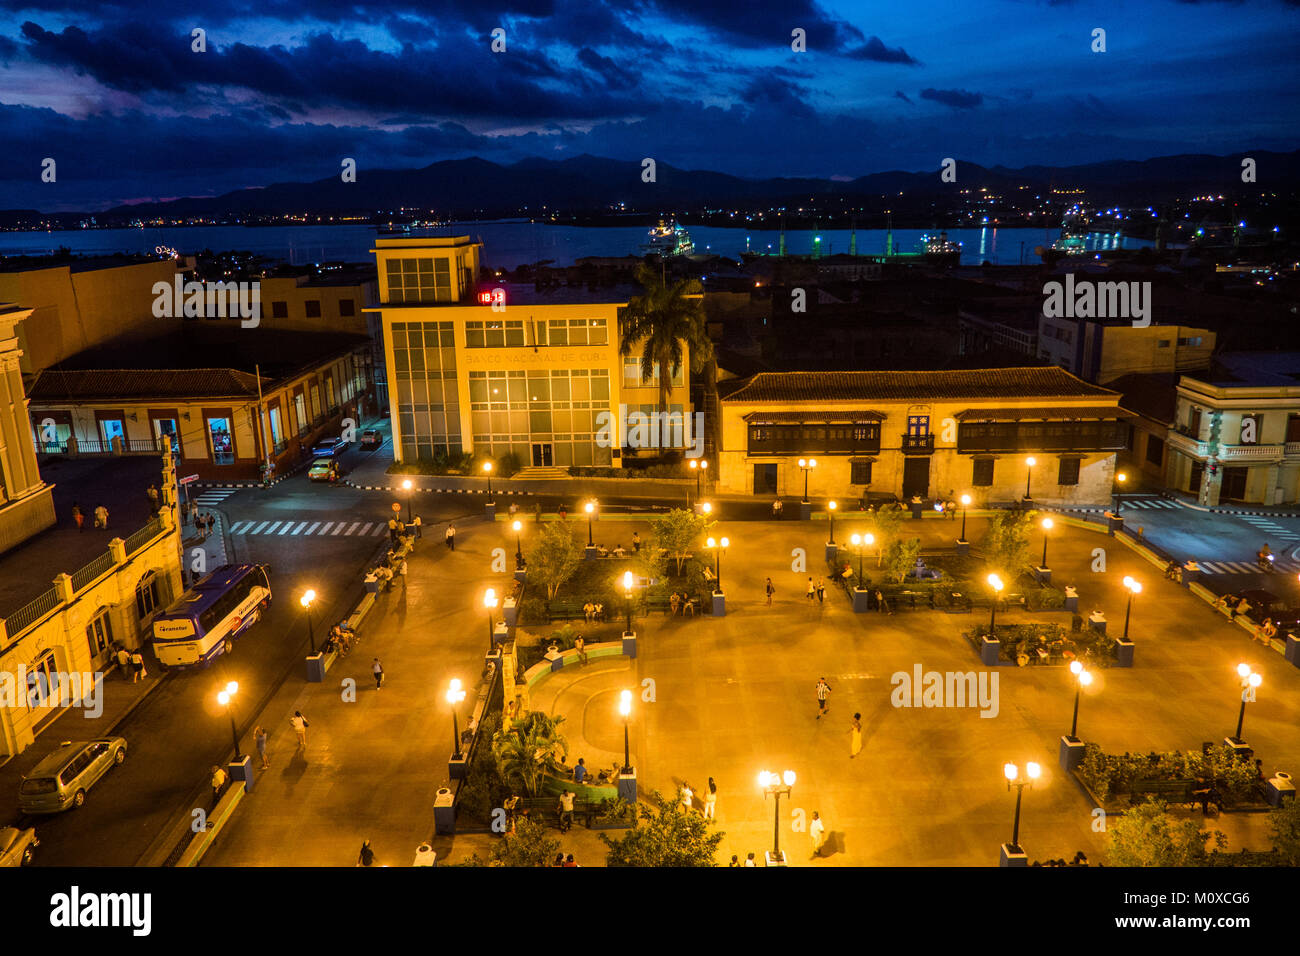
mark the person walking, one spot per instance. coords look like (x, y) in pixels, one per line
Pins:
(749, 860)
(823, 692)
(776, 508)
(299, 724)
(881, 605)
(711, 800)
(812, 591)
(137, 667)
(101, 516)
(218, 784)
(735, 860)
(817, 830)
(123, 661)
(367, 856)
(378, 668)
(392, 531)
(566, 811)
(580, 645)
(855, 736)
(418, 525)
(400, 572)
(259, 737)
(78, 517)
(688, 797)
(769, 590)
(152, 494)
(636, 542)
(451, 536)
(821, 590)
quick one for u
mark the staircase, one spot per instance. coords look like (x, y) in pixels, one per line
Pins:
(540, 473)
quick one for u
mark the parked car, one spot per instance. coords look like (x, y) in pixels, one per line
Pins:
(61, 780)
(17, 846)
(328, 447)
(372, 438)
(324, 469)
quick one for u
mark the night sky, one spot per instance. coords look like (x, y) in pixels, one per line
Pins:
(113, 92)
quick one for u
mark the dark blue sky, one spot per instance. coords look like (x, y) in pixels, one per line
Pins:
(112, 91)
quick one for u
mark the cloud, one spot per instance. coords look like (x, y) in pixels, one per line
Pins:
(957, 99)
(876, 51)
(900, 95)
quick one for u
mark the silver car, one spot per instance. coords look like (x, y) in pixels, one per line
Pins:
(61, 780)
(16, 846)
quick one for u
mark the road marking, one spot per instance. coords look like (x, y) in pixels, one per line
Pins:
(285, 529)
(380, 528)
(355, 526)
(238, 527)
(366, 530)
(258, 529)
(312, 529)
(271, 529)
(325, 527)
(338, 527)
(298, 530)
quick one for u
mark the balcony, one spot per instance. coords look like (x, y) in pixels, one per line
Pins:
(1250, 452)
(918, 444)
(1189, 446)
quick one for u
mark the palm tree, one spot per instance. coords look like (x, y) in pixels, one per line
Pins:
(658, 322)
(528, 751)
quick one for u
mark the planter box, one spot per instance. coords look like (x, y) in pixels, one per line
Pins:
(1071, 752)
(444, 812)
(963, 547)
(1097, 621)
(918, 509)
(589, 552)
(860, 600)
(629, 644)
(719, 604)
(805, 511)
(1043, 576)
(457, 769)
(1114, 522)
(832, 552)
(1012, 856)
(1279, 789)
(990, 650)
(1123, 652)
(490, 510)
(316, 668)
(1292, 652)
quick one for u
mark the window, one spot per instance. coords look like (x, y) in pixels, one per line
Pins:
(1293, 428)
(1192, 341)
(1162, 343)
(146, 596)
(99, 634)
(418, 280)
(1194, 423)
(42, 680)
(983, 473)
(494, 334)
(1069, 472)
(313, 308)
(1155, 450)
(860, 473)
(279, 310)
(347, 307)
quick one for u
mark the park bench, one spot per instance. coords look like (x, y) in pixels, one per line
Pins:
(565, 611)
(1171, 791)
(545, 810)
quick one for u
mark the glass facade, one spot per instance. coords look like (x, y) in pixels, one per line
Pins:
(419, 280)
(424, 380)
(510, 411)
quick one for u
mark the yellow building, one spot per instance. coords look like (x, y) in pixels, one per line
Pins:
(26, 505)
(926, 434)
(496, 369)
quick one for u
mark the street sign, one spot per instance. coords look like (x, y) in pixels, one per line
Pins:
(188, 480)
(396, 506)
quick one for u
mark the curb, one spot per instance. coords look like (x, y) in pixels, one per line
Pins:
(437, 491)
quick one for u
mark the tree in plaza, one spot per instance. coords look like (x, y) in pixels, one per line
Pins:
(528, 845)
(1146, 836)
(666, 316)
(679, 534)
(886, 525)
(529, 750)
(553, 557)
(902, 559)
(665, 834)
(1006, 543)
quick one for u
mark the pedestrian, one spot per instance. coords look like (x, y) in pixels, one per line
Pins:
(137, 665)
(392, 531)
(711, 800)
(418, 525)
(514, 509)
(817, 830)
(570, 861)
(123, 661)
(881, 604)
(378, 668)
(511, 807)
(367, 856)
(565, 810)
(749, 860)
(812, 591)
(580, 645)
(218, 784)
(563, 512)
(636, 541)
(821, 590)
(299, 724)
(78, 517)
(770, 590)
(559, 860)
(451, 536)
(688, 797)
(259, 735)
(823, 692)
(776, 508)
(101, 516)
(855, 736)
(735, 860)
(152, 493)
(580, 771)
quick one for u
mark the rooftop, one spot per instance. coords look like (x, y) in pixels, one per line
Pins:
(1254, 369)
(1048, 382)
(52, 385)
(75, 263)
(1152, 395)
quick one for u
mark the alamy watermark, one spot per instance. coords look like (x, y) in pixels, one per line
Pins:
(209, 300)
(656, 430)
(1086, 299)
(947, 689)
(56, 690)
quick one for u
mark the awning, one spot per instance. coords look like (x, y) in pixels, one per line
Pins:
(1081, 413)
(814, 418)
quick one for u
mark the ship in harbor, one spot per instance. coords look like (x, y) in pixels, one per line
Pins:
(668, 239)
(1073, 240)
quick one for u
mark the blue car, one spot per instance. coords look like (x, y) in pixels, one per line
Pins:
(328, 447)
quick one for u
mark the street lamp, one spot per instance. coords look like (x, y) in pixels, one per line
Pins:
(590, 508)
(717, 547)
(227, 696)
(627, 593)
(518, 526)
(776, 785)
(307, 597)
(1029, 473)
(455, 694)
(860, 543)
(1119, 483)
(830, 513)
(487, 468)
(1249, 681)
(625, 708)
(1012, 772)
(1082, 678)
(995, 583)
(699, 466)
(706, 509)
(406, 486)
(807, 464)
(1134, 586)
(965, 503)
(490, 602)
(1047, 526)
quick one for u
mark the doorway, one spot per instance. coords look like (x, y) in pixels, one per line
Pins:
(765, 479)
(916, 477)
(1234, 484)
(1194, 482)
(543, 454)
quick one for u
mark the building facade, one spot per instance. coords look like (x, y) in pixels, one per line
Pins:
(26, 503)
(1101, 352)
(506, 369)
(926, 434)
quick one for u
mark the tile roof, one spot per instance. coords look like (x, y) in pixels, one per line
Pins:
(1040, 414)
(863, 415)
(128, 384)
(1049, 382)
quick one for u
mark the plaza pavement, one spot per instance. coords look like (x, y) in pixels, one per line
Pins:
(735, 696)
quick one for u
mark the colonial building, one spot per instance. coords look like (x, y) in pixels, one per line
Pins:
(26, 505)
(507, 368)
(923, 434)
(1236, 433)
(1101, 351)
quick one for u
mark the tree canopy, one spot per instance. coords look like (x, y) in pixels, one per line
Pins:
(665, 834)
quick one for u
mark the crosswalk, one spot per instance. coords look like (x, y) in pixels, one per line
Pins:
(1247, 567)
(1270, 527)
(1143, 504)
(214, 496)
(295, 527)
